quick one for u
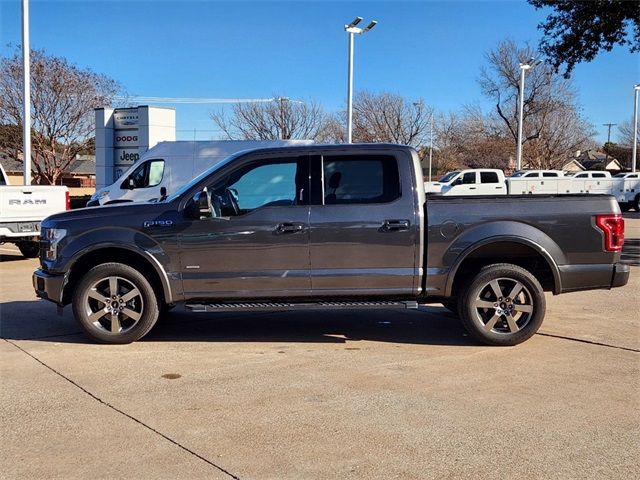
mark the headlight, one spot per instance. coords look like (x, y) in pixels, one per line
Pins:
(53, 237)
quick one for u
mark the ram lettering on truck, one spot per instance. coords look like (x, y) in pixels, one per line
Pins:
(331, 227)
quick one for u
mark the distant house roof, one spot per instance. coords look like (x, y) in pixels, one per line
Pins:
(81, 165)
(592, 160)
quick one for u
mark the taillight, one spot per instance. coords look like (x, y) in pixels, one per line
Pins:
(66, 200)
(613, 227)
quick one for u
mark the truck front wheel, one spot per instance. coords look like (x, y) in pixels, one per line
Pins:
(114, 303)
(503, 305)
(29, 249)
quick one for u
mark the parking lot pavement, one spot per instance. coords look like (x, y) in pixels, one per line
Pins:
(343, 395)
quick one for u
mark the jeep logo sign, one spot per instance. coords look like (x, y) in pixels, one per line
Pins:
(14, 201)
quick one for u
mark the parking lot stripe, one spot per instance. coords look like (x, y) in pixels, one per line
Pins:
(116, 409)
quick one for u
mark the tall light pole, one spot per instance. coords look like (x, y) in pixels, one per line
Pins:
(430, 144)
(523, 68)
(352, 29)
(636, 89)
(26, 95)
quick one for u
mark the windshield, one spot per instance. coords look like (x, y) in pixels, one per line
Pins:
(203, 175)
(619, 175)
(448, 176)
(519, 173)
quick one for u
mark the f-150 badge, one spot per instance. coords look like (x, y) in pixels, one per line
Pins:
(157, 223)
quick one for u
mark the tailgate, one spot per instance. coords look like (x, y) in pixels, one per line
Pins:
(31, 203)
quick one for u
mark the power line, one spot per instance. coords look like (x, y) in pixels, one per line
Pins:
(193, 100)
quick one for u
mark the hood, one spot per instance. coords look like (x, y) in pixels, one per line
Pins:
(117, 212)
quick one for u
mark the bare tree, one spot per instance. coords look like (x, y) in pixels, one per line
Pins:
(625, 130)
(551, 119)
(388, 117)
(281, 119)
(63, 98)
(471, 139)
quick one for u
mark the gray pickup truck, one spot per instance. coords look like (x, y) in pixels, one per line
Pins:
(327, 227)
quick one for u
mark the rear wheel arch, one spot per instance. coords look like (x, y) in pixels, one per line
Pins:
(108, 254)
(517, 251)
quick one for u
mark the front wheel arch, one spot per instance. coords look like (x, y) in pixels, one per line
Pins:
(110, 254)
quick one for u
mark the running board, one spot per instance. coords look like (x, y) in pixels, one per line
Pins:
(278, 306)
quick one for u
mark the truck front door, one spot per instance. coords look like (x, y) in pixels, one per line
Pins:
(364, 228)
(256, 243)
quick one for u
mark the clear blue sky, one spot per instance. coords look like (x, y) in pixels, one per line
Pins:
(428, 49)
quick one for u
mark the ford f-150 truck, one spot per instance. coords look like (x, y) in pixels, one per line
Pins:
(330, 227)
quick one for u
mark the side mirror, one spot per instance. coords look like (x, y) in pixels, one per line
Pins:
(163, 192)
(131, 184)
(200, 206)
(458, 181)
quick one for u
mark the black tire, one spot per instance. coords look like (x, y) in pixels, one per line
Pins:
(625, 207)
(135, 303)
(502, 321)
(636, 203)
(29, 249)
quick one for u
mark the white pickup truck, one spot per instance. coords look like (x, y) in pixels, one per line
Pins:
(23, 207)
(624, 186)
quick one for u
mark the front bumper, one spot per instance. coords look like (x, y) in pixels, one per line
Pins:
(49, 286)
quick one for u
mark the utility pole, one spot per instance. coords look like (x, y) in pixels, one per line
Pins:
(283, 132)
(606, 152)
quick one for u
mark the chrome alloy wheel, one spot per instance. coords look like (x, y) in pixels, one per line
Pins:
(503, 305)
(114, 305)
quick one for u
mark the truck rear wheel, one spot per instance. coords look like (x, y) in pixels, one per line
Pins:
(29, 249)
(114, 303)
(503, 305)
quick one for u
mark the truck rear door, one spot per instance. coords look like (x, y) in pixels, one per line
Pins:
(364, 230)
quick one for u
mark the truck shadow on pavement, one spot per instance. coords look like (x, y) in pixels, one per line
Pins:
(8, 257)
(428, 326)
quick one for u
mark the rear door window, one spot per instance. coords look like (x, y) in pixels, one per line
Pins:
(599, 175)
(360, 179)
(549, 174)
(489, 177)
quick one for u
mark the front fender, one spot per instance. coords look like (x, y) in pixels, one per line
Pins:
(123, 238)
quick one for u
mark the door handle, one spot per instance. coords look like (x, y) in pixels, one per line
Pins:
(289, 227)
(472, 188)
(395, 225)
